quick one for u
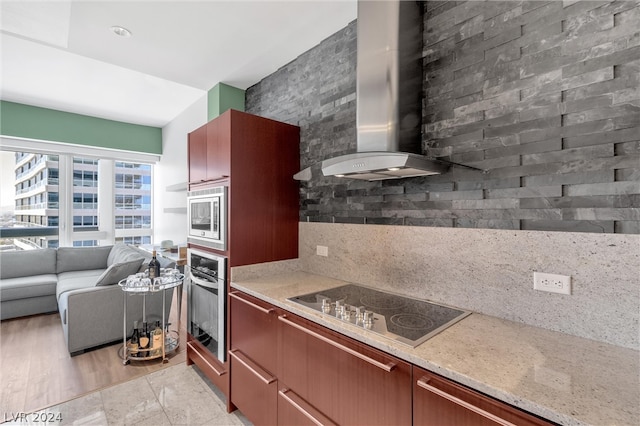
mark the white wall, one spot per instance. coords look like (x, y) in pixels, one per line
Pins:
(7, 178)
(171, 170)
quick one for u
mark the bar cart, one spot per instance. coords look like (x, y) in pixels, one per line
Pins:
(141, 284)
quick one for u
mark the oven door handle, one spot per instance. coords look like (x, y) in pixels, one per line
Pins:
(205, 283)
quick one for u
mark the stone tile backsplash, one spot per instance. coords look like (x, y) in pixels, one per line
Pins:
(491, 272)
(543, 94)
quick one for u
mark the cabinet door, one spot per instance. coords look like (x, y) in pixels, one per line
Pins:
(254, 330)
(441, 402)
(350, 383)
(253, 390)
(253, 355)
(197, 150)
(218, 149)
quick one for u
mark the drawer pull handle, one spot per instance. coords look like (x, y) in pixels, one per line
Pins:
(238, 356)
(215, 370)
(283, 394)
(423, 384)
(253, 305)
(388, 367)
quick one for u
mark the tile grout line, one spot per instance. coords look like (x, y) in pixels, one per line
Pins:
(146, 377)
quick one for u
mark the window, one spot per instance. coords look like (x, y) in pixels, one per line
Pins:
(134, 240)
(43, 205)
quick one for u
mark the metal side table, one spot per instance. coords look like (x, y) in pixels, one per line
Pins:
(140, 284)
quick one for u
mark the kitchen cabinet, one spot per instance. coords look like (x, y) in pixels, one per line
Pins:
(291, 370)
(256, 158)
(253, 355)
(439, 401)
(208, 157)
(197, 155)
(288, 370)
(344, 380)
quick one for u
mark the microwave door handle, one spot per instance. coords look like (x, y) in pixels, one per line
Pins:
(204, 283)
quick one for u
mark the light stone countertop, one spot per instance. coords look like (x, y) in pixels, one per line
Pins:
(563, 378)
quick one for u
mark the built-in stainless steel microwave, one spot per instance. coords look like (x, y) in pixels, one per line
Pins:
(207, 213)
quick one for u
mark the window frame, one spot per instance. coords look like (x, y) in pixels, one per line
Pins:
(105, 233)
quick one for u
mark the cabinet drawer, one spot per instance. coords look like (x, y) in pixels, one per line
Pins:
(253, 390)
(348, 381)
(295, 411)
(254, 330)
(441, 402)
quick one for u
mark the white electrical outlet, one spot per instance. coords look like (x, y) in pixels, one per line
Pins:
(322, 251)
(552, 283)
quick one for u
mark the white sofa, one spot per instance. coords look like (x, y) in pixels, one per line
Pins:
(80, 283)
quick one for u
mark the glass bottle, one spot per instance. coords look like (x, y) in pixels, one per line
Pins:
(156, 339)
(144, 337)
(154, 267)
(135, 340)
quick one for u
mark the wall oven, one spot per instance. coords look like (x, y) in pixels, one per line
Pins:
(206, 303)
(207, 213)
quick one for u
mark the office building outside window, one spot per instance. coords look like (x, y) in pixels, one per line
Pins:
(37, 187)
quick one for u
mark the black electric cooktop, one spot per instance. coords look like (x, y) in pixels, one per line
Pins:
(400, 318)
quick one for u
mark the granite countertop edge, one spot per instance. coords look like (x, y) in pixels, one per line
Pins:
(276, 289)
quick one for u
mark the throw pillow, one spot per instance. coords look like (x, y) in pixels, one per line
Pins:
(119, 271)
(121, 252)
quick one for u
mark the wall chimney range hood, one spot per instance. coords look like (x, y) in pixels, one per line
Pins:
(388, 97)
(376, 165)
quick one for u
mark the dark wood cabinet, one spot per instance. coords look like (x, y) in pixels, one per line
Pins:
(253, 354)
(253, 390)
(209, 155)
(310, 374)
(346, 381)
(287, 370)
(256, 158)
(440, 402)
(197, 155)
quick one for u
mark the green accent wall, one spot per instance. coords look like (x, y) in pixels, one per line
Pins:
(222, 97)
(32, 122)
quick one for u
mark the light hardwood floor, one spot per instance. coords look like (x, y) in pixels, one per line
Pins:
(36, 370)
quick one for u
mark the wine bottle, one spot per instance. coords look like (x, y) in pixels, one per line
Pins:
(135, 340)
(144, 337)
(154, 267)
(156, 339)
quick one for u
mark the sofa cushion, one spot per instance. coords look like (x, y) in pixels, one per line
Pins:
(123, 253)
(30, 286)
(118, 271)
(82, 258)
(26, 263)
(73, 280)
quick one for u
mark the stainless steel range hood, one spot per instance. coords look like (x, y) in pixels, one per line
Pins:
(388, 97)
(376, 165)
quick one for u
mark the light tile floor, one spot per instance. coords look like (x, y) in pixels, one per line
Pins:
(177, 395)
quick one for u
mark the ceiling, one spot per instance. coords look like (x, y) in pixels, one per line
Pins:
(63, 54)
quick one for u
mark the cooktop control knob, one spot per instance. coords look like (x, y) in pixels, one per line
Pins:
(368, 317)
(346, 315)
(360, 313)
(326, 305)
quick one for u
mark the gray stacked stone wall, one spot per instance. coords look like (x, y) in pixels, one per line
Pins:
(543, 95)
